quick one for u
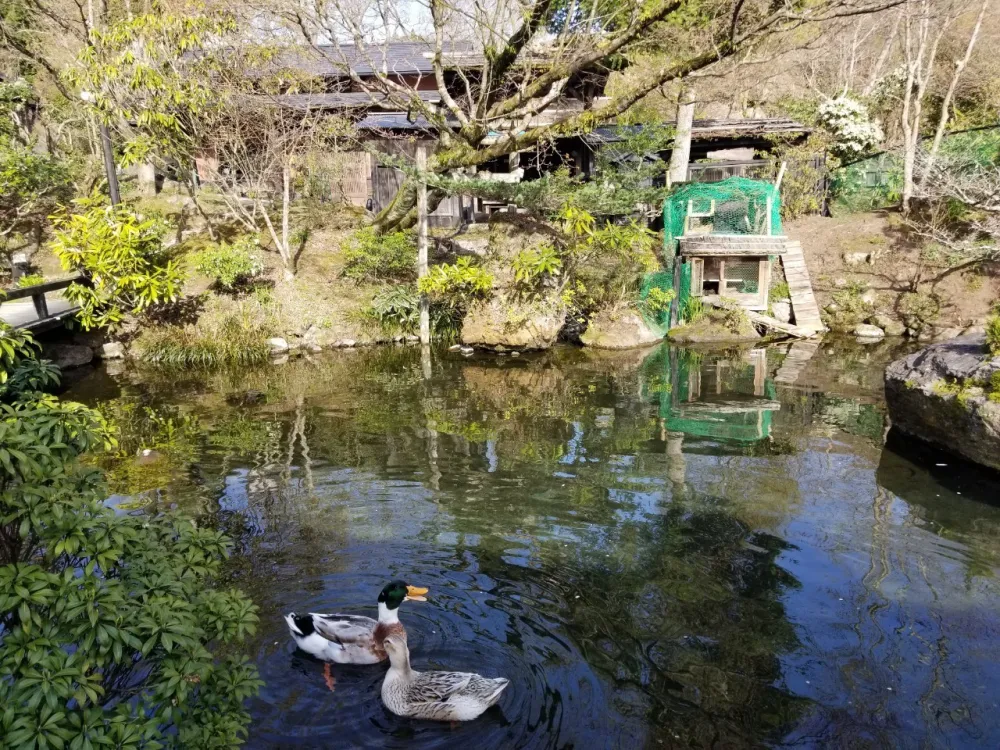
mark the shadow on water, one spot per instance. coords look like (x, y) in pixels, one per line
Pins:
(659, 548)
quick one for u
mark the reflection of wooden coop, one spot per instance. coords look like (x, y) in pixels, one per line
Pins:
(729, 400)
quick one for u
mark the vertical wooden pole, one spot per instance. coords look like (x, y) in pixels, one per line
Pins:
(425, 317)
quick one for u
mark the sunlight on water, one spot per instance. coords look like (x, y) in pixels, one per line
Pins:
(659, 548)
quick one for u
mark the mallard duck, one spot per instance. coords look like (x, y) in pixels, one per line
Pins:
(442, 696)
(354, 639)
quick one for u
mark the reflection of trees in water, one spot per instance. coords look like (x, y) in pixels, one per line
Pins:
(682, 606)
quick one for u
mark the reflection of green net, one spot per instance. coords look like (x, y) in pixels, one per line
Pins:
(737, 206)
(670, 381)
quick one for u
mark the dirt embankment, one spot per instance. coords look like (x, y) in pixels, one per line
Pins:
(870, 263)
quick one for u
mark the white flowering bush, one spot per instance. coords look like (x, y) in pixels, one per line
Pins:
(853, 130)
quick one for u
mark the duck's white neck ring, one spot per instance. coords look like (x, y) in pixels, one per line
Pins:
(387, 616)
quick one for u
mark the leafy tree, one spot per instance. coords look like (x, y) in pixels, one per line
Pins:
(122, 253)
(106, 620)
(32, 186)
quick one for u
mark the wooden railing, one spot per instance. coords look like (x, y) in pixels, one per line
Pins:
(37, 292)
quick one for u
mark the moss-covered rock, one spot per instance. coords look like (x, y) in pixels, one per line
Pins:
(618, 329)
(515, 318)
(945, 394)
(715, 326)
(511, 323)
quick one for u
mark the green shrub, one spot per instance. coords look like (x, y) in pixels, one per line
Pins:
(230, 264)
(456, 284)
(534, 265)
(229, 332)
(371, 256)
(396, 312)
(658, 301)
(781, 291)
(918, 310)
(122, 253)
(108, 620)
(30, 279)
(993, 334)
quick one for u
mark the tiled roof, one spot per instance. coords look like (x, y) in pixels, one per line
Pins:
(402, 58)
(705, 130)
(350, 100)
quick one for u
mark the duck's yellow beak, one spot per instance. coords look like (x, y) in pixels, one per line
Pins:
(414, 594)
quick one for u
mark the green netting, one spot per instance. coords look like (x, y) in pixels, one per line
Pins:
(734, 206)
(877, 182)
(668, 379)
(655, 313)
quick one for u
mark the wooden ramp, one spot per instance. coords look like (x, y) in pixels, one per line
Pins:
(795, 362)
(804, 305)
(776, 325)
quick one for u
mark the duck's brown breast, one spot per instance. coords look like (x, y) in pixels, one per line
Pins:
(382, 632)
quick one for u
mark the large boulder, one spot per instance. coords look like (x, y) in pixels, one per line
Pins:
(508, 323)
(942, 395)
(618, 329)
(515, 318)
(68, 356)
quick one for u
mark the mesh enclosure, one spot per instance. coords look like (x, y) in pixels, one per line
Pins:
(657, 319)
(734, 206)
(742, 275)
(877, 181)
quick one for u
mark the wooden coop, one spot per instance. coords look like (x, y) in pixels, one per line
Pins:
(730, 233)
(720, 241)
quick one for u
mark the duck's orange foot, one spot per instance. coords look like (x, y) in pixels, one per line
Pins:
(328, 677)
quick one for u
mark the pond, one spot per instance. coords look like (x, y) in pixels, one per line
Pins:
(659, 548)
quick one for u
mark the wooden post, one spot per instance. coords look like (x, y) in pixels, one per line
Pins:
(781, 175)
(425, 316)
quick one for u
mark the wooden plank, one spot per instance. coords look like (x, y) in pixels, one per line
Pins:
(21, 292)
(804, 305)
(777, 325)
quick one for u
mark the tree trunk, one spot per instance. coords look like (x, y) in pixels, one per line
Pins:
(681, 154)
(950, 94)
(401, 213)
(286, 198)
(425, 315)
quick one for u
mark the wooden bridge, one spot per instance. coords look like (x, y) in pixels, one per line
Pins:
(39, 307)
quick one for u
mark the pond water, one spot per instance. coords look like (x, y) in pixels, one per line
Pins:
(659, 548)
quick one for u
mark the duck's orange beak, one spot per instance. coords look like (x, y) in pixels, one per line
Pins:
(414, 594)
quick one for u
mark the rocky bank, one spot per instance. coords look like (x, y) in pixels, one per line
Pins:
(947, 395)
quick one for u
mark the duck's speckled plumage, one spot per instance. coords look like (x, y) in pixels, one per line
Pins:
(440, 696)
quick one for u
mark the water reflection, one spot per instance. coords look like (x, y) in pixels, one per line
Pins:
(659, 548)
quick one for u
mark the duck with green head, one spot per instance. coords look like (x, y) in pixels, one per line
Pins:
(354, 639)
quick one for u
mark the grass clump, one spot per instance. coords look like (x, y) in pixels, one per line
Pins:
(370, 256)
(993, 334)
(228, 332)
(781, 291)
